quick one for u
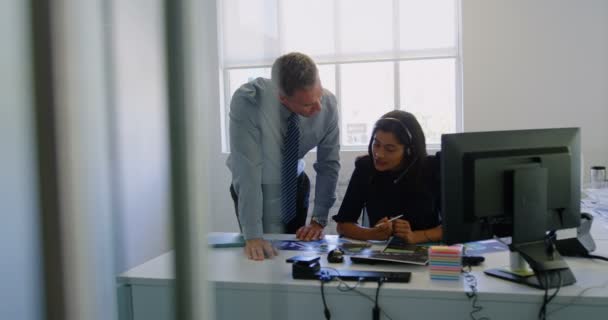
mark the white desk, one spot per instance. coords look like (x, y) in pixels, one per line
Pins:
(247, 289)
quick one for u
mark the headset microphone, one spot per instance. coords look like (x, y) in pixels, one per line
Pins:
(405, 171)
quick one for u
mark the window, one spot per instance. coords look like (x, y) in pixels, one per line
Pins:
(374, 55)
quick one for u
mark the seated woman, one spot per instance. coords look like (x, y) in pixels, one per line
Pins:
(396, 178)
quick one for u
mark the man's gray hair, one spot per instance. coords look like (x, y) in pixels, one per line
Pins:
(294, 71)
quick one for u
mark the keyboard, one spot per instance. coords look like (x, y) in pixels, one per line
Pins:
(356, 275)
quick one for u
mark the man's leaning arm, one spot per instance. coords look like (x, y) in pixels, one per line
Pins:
(327, 168)
(246, 164)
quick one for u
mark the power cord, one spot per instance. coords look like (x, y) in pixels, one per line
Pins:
(542, 313)
(573, 300)
(472, 295)
(354, 289)
(592, 256)
(345, 287)
(549, 240)
(376, 310)
(324, 277)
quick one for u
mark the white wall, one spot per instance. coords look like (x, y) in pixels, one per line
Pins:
(21, 259)
(527, 64)
(543, 63)
(142, 223)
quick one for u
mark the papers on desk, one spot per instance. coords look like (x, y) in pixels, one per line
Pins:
(479, 248)
(354, 247)
(398, 245)
(319, 246)
(235, 239)
(396, 250)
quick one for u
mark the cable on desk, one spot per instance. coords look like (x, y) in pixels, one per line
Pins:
(578, 296)
(325, 278)
(376, 309)
(542, 313)
(341, 283)
(372, 300)
(472, 283)
(592, 256)
(345, 287)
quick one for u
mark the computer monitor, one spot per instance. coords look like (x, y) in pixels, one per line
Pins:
(522, 184)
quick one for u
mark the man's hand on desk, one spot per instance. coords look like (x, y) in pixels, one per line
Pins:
(257, 249)
(311, 232)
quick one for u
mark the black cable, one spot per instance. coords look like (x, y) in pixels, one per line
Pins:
(472, 282)
(592, 256)
(344, 287)
(341, 283)
(376, 309)
(559, 286)
(325, 309)
(580, 294)
(542, 313)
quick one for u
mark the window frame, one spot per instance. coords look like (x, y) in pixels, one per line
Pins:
(396, 56)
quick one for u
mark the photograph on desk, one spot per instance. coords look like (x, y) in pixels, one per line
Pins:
(396, 251)
(398, 245)
(356, 247)
(319, 246)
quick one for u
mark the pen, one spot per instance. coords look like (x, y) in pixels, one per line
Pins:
(390, 220)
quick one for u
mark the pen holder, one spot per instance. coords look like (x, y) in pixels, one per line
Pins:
(445, 262)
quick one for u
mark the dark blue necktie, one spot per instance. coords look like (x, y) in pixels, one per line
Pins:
(289, 169)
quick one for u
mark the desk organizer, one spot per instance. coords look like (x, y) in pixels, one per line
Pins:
(445, 262)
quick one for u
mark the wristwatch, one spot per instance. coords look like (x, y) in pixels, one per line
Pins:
(322, 223)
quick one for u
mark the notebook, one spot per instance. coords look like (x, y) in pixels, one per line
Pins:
(396, 251)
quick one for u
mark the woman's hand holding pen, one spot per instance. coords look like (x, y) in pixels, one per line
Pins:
(402, 229)
(384, 228)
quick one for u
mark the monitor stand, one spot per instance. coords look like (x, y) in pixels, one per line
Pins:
(519, 272)
(529, 241)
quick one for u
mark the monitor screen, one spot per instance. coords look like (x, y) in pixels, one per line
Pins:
(519, 183)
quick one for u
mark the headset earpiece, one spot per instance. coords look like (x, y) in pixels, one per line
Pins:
(408, 145)
(408, 150)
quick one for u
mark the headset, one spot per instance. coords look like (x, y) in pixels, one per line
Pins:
(409, 143)
(409, 150)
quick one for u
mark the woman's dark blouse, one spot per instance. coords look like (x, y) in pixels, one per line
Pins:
(418, 201)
